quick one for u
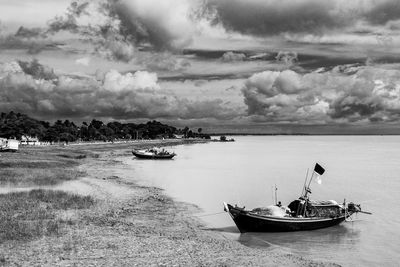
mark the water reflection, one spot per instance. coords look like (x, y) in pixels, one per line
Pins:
(228, 229)
(304, 241)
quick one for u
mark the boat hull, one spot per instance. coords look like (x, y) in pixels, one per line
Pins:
(152, 156)
(250, 222)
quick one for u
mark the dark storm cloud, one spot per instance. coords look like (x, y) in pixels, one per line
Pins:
(269, 17)
(384, 11)
(274, 17)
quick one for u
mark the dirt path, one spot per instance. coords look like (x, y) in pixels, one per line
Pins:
(133, 225)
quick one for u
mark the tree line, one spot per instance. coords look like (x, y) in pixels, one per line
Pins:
(16, 125)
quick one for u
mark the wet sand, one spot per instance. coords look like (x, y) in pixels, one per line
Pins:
(135, 226)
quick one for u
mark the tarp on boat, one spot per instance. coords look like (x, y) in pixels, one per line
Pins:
(270, 211)
(323, 202)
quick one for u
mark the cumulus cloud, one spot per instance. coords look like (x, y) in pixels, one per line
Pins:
(10, 67)
(115, 81)
(232, 56)
(116, 95)
(370, 94)
(287, 57)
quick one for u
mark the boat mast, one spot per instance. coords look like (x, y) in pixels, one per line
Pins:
(305, 182)
(308, 186)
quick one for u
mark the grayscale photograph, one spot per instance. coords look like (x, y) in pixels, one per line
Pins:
(199, 133)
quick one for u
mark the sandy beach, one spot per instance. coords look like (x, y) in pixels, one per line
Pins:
(131, 225)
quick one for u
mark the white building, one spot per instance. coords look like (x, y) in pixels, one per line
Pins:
(28, 140)
(9, 144)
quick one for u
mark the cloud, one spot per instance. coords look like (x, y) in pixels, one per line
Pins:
(287, 57)
(31, 39)
(270, 17)
(368, 95)
(37, 70)
(9, 67)
(118, 50)
(336, 21)
(118, 27)
(383, 12)
(169, 26)
(115, 81)
(84, 61)
(119, 96)
(232, 56)
(29, 32)
(95, 22)
(164, 61)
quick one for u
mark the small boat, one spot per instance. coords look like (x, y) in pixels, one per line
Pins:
(153, 153)
(301, 214)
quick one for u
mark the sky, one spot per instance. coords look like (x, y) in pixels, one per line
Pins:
(239, 66)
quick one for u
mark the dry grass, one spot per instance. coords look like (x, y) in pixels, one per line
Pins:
(28, 215)
(40, 166)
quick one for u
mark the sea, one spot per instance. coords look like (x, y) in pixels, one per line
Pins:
(359, 169)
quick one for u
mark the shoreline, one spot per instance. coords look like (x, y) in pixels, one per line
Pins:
(136, 225)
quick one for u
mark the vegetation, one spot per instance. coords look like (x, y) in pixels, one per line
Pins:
(27, 215)
(40, 167)
(16, 125)
(31, 214)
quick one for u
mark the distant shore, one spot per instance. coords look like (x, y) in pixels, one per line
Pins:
(119, 222)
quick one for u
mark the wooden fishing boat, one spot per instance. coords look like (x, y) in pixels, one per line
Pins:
(153, 153)
(301, 214)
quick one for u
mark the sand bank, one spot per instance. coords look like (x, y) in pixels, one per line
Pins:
(132, 225)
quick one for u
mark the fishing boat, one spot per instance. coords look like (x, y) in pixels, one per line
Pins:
(153, 153)
(301, 214)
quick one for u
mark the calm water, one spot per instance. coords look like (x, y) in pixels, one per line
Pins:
(362, 169)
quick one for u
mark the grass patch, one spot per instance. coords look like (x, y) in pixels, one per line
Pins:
(68, 156)
(41, 177)
(28, 215)
(40, 166)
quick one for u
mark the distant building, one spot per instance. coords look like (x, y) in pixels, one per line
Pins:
(9, 144)
(30, 141)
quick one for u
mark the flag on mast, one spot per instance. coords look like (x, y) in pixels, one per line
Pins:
(319, 170)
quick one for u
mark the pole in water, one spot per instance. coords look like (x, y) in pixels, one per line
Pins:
(276, 195)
